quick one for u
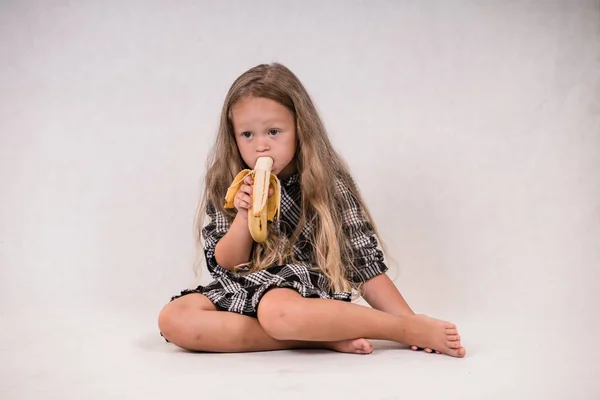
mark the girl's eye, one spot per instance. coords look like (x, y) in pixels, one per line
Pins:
(274, 132)
(247, 135)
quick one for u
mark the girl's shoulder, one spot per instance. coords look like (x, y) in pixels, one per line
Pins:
(346, 188)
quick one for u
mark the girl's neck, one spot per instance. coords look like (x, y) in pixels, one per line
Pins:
(288, 171)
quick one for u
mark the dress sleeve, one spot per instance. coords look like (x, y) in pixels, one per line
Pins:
(368, 258)
(212, 233)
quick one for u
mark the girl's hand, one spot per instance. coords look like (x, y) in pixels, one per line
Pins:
(243, 199)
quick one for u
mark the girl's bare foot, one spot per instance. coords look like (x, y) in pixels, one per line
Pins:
(354, 346)
(430, 333)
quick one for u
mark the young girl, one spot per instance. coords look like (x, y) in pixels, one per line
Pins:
(294, 290)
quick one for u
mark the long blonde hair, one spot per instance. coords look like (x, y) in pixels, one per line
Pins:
(318, 164)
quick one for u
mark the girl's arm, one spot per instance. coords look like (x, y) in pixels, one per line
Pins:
(234, 248)
(381, 294)
(369, 267)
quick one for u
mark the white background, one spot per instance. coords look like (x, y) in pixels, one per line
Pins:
(472, 128)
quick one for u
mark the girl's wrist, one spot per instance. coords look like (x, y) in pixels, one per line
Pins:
(243, 215)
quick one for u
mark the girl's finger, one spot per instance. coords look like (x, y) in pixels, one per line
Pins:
(246, 189)
(242, 201)
(247, 201)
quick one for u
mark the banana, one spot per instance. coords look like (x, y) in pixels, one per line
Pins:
(263, 208)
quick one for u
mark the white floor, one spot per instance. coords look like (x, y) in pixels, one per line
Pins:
(101, 356)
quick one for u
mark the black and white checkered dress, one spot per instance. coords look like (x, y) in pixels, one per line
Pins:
(241, 293)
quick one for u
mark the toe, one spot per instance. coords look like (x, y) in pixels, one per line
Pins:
(454, 345)
(451, 331)
(454, 338)
(428, 350)
(460, 352)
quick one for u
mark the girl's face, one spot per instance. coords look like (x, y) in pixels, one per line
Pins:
(263, 127)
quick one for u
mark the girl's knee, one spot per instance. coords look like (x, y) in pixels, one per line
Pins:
(169, 320)
(280, 313)
(174, 316)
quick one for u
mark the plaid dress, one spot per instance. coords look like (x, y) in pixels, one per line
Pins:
(241, 293)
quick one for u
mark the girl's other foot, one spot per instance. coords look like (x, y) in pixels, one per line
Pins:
(354, 346)
(432, 334)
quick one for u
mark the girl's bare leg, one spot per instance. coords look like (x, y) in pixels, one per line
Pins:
(285, 315)
(192, 322)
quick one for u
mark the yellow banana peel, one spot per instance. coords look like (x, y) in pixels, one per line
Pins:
(263, 208)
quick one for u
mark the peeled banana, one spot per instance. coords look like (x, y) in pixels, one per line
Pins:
(263, 208)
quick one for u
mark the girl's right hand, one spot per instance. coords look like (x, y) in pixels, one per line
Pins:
(243, 199)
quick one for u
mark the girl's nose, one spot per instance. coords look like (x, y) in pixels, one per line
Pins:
(262, 145)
